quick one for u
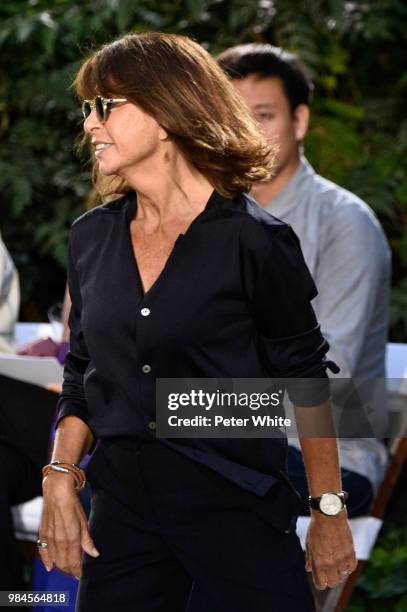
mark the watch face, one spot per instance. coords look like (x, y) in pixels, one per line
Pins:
(330, 504)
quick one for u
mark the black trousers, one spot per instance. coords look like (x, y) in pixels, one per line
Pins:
(20, 480)
(174, 536)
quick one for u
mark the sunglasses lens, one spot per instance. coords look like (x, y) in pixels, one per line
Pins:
(100, 108)
(86, 109)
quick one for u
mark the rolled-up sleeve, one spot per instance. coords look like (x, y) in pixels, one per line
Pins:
(290, 341)
(72, 401)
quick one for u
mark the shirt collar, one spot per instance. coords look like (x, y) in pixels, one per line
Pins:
(287, 198)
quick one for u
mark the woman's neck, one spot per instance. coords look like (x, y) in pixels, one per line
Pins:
(167, 189)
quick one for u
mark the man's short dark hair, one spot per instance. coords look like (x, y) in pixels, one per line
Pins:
(265, 60)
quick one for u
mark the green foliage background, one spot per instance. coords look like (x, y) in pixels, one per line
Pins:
(353, 50)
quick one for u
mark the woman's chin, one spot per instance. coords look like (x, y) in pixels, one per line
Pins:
(106, 170)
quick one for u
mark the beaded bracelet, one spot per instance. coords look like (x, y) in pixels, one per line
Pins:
(63, 467)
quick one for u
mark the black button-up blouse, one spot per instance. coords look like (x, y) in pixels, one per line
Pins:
(233, 301)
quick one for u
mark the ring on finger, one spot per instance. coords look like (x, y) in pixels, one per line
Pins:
(344, 572)
(41, 545)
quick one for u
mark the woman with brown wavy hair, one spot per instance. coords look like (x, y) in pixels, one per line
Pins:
(182, 276)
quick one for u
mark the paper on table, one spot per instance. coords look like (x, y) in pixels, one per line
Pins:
(36, 370)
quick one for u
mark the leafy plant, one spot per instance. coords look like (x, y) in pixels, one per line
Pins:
(383, 584)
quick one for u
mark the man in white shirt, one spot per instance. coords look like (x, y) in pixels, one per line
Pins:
(343, 245)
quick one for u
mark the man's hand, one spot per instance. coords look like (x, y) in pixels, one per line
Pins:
(329, 549)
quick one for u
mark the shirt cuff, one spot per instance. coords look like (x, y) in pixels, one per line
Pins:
(301, 360)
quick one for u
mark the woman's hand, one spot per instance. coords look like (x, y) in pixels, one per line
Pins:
(64, 526)
(329, 549)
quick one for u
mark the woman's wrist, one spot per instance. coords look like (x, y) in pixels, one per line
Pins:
(324, 518)
(55, 480)
(74, 471)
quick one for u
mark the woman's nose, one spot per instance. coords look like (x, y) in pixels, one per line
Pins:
(91, 122)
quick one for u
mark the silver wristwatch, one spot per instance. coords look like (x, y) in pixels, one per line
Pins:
(329, 503)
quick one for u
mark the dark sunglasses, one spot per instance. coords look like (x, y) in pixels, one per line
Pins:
(101, 106)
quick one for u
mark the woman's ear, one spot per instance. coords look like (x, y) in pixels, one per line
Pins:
(162, 134)
(301, 121)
